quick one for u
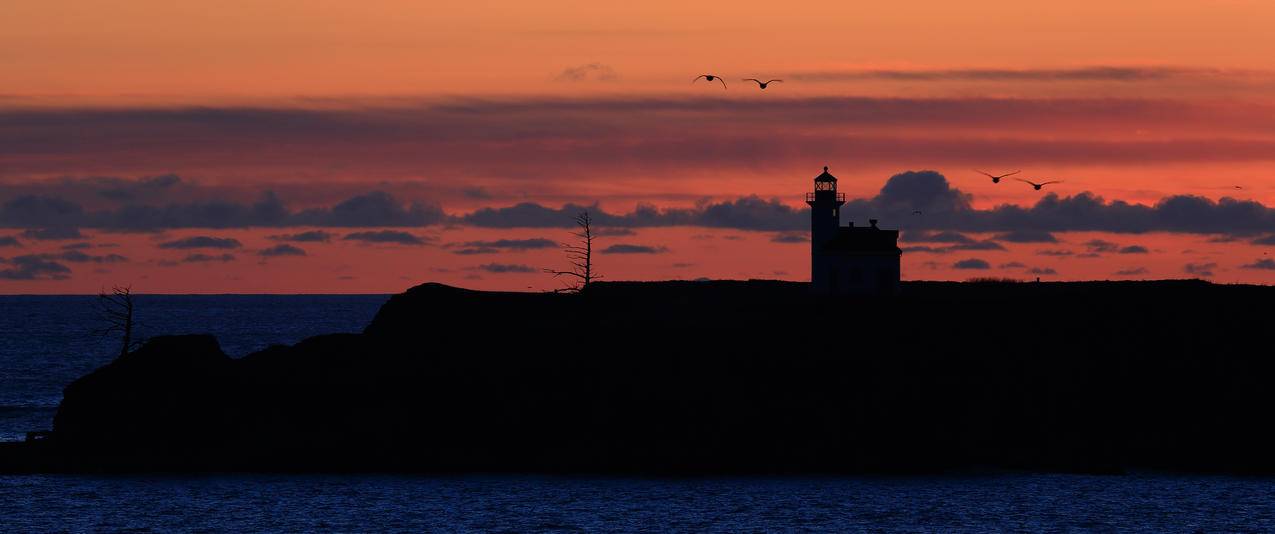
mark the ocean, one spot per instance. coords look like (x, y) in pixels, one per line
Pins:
(46, 342)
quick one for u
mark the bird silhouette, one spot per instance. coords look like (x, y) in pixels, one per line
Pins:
(1040, 185)
(761, 83)
(996, 179)
(710, 77)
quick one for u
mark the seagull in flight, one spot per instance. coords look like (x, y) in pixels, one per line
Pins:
(710, 77)
(996, 179)
(1040, 185)
(761, 83)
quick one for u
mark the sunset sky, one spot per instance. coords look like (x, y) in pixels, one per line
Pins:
(336, 147)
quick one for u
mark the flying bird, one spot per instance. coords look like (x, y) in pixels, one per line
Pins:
(761, 83)
(710, 77)
(996, 179)
(1040, 185)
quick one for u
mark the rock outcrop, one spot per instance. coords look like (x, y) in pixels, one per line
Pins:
(707, 377)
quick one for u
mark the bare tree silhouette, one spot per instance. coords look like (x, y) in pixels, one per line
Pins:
(115, 310)
(580, 255)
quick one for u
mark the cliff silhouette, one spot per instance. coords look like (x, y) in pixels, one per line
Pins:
(707, 377)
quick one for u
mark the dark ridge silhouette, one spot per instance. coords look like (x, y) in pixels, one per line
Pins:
(706, 377)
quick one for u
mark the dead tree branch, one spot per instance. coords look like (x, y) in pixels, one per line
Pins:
(579, 256)
(115, 311)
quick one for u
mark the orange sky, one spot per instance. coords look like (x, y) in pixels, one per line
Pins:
(471, 105)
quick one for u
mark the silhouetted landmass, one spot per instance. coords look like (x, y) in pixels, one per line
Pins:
(698, 377)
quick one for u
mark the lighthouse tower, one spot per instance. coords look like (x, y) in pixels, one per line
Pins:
(825, 219)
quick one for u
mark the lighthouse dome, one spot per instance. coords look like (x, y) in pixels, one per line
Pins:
(825, 177)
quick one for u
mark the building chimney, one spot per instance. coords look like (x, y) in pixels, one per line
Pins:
(873, 222)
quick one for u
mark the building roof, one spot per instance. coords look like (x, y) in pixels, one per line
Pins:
(825, 177)
(864, 240)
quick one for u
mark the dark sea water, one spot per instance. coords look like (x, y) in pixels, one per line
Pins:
(256, 503)
(45, 342)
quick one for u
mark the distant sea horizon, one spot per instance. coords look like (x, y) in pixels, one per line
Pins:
(550, 289)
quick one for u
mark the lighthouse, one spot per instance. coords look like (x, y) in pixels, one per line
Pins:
(848, 260)
(825, 218)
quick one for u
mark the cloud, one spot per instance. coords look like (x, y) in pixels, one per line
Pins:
(936, 237)
(1042, 271)
(503, 268)
(53, 234)
(282, 249)
(33, 267)
(54, 217)
(1264, 264)
(588, 72)
(920, 190)
(1054, 252)
(130, 190)
(1026, 236)
(623, 248)
(571, 137)
(1099, 245)
(1265, 240)
(31, 211)
(1134, 271)
(948, 212)
(313, 236)
(978, 245)
(923, 249)
(499, 245)
(385, 236)
(1134, 249)
(790, 238)
(968, 245)
(971, 263)
(476, 192)
(9, 241)
(1096, 73)
(377, 208)
(208, 258)
(1012, 265)
(77, 246)
(1200, 269)
(745, 213)
(613, 232)
(201, 241)
(78, 256)
(1083, 212)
